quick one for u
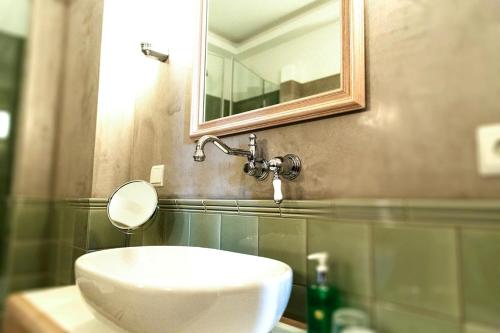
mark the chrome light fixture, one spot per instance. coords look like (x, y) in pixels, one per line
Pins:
(148, 51)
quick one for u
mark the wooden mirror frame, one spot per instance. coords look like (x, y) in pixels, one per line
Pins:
(350, 96)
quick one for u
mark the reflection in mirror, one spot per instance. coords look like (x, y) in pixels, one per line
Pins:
(132, 205)
(262, 53)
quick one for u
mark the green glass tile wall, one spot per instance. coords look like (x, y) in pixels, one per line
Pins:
(240, 234)
(349, 247)
(176, 230)
(204, 230)
(285, 240)
(83, 227)
(30, 242)
(413, 266)
(417, 266)
(394, 319)
(481, 275)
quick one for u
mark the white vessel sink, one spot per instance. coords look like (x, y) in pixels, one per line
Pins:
(163, 289)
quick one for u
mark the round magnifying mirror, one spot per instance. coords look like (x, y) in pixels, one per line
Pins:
(132, 205)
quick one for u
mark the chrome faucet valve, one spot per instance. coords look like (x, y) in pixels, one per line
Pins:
(288, 167)
(257, 169)
(252, 147)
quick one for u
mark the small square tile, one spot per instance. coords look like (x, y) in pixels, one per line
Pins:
(153, 233)
(29, 258)
(55, 222)
(80, 230)
(417, 266)
(53, 258)
(348, 246)
(3, 291)
(481, 275)
(67, 224)
(30, 221)
(297, 305)
(65, 264)
(77, 253)
(205, 230)
(136, 238)
(479, 328)
(393, 319)
(240, 234)
(101, 233)
(284, 239)
(176, 228)
(27, 282)
(362, 303)
(4, 243)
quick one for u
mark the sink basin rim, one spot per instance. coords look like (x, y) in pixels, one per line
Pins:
(285, 272)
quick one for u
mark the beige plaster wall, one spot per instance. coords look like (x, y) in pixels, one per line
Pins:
(35, 147)
(77, 117)
(78, 100)
(433, 76)
(119, 62)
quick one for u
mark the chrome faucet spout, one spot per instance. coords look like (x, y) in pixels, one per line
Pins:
(199, 153)
(287, 167)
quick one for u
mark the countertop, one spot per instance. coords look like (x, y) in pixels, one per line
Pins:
(62, 310)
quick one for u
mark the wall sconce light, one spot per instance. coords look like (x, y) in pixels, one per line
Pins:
(4, 125)
(146, 48)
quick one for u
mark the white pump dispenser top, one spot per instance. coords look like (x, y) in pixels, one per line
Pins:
(322, 268)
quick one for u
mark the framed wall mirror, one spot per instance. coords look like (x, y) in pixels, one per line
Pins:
(264, 63)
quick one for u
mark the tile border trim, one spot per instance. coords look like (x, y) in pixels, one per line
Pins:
(447, 212)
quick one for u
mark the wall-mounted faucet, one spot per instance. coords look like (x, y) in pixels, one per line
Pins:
(288, 166)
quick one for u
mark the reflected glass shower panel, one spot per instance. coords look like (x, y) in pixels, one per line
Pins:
(214, 85)
(232, 88)
(250, 91)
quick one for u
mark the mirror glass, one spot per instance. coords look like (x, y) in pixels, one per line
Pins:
(132, 205)
(262, 53)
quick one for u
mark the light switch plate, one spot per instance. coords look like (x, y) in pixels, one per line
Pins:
(157, 174)
(488, 150)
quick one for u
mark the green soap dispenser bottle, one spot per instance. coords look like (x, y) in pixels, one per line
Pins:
(322, 298)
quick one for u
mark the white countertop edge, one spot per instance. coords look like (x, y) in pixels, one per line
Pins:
(66, 308)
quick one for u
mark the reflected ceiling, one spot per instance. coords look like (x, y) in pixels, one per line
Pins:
(253, 16)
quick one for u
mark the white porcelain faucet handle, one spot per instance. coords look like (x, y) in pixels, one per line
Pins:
(278, 194)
